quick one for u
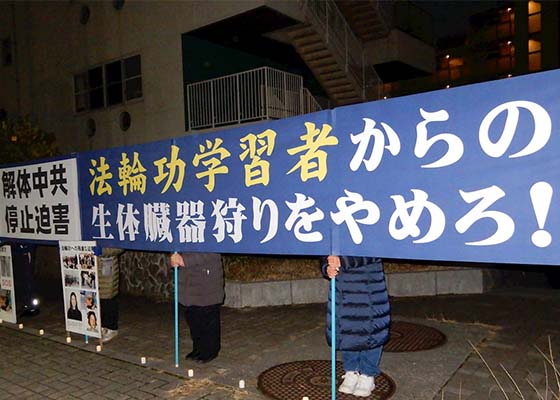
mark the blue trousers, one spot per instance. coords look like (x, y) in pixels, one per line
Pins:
(366, 362)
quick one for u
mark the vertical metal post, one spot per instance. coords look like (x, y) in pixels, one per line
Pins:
(265, 102)
(175, 273)
(301, 100)
(212, 116)
(176, 297)
(286, 101)
(238, 99)
(189, 107)
(333, 338)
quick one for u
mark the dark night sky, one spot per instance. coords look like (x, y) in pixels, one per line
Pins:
(451, 17)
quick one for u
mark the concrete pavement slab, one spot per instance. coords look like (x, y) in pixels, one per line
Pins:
(504, 326)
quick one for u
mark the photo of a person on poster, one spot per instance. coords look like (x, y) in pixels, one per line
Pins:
(92, 322)
(86, 261)
(73, 311)
(88, 280)
(70, 262)
(89, 300)
(5, 300)
(71, 279)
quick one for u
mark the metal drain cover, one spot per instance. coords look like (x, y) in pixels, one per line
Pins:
(406, 336)
(312, 378)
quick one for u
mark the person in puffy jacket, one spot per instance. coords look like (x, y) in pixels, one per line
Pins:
(362, 318)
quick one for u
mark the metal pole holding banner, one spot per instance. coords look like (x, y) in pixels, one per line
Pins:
(333, 338)
(176, 289)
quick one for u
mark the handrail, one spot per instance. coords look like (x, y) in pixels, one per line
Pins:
(310, 104)
(329, 21)
(387, 11)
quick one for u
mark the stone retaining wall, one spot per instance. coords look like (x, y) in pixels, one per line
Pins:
(148, 274)
(402, 284)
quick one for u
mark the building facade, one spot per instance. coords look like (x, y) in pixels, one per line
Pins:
(106, 74)
(510, 38)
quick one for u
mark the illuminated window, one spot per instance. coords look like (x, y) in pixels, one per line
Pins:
(506, 49)
(455, 62)
(449, 68)
(534, 47)
(534, 7)
(505, 64)
(534, 16)
(505, 23)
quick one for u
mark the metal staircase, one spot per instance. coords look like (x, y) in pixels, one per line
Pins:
(334, 54)
(369, 19)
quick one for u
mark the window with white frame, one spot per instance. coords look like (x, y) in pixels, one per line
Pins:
(109, 84)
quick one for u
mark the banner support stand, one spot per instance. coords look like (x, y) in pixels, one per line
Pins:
(176, 301)
(333, 338)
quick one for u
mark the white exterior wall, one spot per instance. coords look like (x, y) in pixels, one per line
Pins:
(52, 46)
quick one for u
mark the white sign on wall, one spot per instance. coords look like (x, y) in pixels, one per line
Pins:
(40, 201)
(80, 285)
(7, 290)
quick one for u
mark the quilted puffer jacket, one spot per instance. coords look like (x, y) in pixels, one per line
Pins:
(362, 304)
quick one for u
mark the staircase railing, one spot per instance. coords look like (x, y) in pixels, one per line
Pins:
(310, 104)
(328, 20)
(254, 95)
(386, 12)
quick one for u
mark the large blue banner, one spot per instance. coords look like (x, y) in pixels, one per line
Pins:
(464, 174)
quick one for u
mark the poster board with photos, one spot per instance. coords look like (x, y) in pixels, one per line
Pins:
(82, 311)
(7, 289)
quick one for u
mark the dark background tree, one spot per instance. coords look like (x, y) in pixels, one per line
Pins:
(21, 139)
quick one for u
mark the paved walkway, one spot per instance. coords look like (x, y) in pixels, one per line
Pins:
(526, 321)
(38, 368)
(503, 326)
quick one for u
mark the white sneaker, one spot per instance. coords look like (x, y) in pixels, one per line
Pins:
(349, 383)
(108, 334)
(364, 387)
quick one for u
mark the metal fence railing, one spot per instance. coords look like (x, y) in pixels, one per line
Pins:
(325, 16)
(310, 104)
(258, 94)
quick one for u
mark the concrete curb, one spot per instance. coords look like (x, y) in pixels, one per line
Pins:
(399, 284)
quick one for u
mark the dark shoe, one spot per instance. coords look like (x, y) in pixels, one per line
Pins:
(193, 355)
(206, 360)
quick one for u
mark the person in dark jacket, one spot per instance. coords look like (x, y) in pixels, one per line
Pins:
(73, 310)
(362, 318)
(201, 291)
(23, 261)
